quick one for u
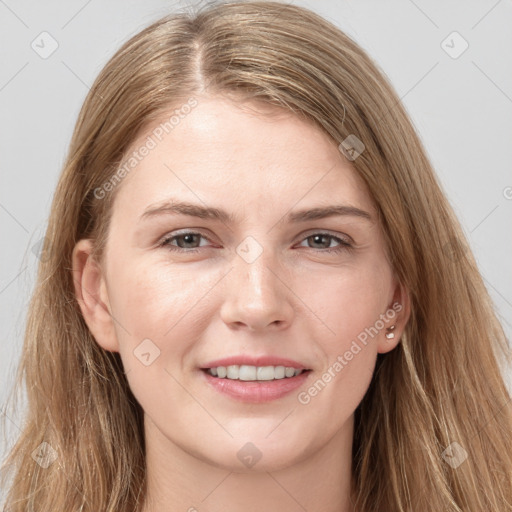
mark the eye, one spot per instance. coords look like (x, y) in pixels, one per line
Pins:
(187, 242)
(319, 238)
(184, 240)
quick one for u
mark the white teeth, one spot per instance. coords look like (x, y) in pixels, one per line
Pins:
(289, 372)
(279, 372)
(246, 372)
(233, 372)
(265, 373)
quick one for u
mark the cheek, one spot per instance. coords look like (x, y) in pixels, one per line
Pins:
(159, 311)
(151, 301)
(171, 306)
(349, 304)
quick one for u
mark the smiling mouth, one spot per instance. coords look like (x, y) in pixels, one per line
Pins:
(254, 373)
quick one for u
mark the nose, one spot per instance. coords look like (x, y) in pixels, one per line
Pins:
(257, 295)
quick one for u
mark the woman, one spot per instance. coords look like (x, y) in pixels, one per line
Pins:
(256, 369)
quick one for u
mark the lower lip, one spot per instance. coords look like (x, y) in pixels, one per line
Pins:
(256, 392)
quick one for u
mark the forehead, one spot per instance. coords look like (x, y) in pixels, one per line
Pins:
(226, 153)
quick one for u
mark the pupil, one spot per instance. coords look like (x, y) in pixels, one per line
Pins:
(317, 238)
(188, 238)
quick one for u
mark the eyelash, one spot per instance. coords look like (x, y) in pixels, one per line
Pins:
(344, 245)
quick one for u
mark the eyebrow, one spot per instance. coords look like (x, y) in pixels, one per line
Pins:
(174, 207)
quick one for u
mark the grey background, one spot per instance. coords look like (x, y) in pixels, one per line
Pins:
(461, 107)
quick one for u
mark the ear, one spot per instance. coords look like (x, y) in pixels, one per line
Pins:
(92, 296)
(397, 314)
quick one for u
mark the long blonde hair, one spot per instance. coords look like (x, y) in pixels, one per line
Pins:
(441, 385)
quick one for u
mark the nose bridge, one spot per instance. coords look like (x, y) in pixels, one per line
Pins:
(253, 265)
(256, 296)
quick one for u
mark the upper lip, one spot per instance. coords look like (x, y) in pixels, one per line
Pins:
(255, 361)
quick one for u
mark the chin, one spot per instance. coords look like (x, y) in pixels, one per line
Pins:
(259, 455)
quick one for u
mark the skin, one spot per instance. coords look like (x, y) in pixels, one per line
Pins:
(295, 300)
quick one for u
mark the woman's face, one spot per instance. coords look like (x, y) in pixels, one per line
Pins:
(218, 249)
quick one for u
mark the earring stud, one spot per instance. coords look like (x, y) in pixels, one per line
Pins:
(390, 335)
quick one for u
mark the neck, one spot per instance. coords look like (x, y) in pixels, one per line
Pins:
(182, 481)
